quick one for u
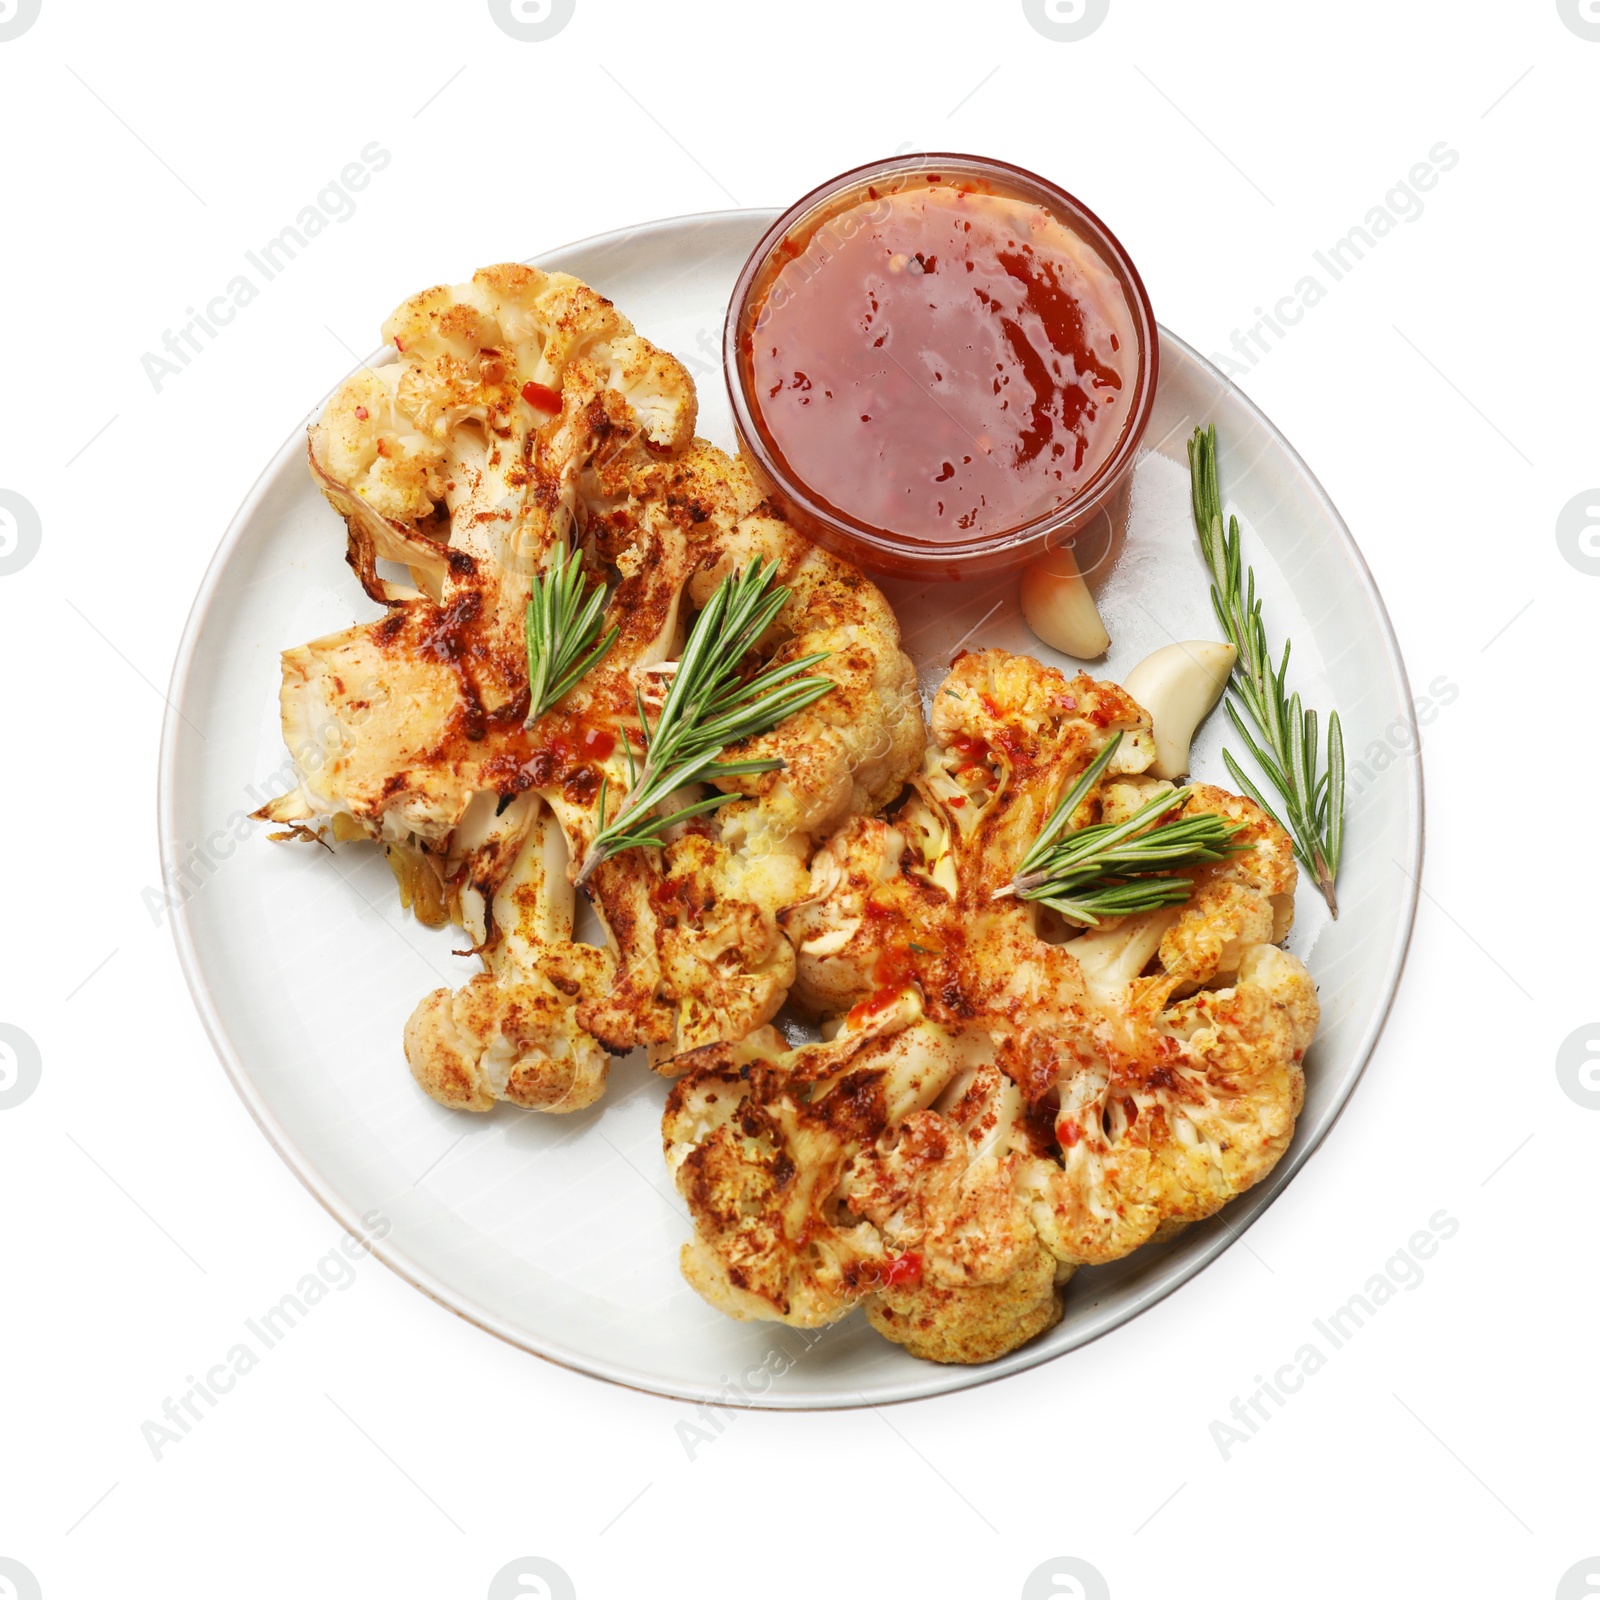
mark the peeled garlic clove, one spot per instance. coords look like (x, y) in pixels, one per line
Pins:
(1178, 684)
(1059, 608)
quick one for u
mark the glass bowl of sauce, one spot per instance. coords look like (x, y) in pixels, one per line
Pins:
(941, 365)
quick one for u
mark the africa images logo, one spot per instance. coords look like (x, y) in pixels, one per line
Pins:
(1582, 16)
(532, 21)
(1580, 1581)
(1578, 533)
(1578, 1066)
(531, 1578)
(20, 532)
(1065, 1578)
(1066, 21)
(16, 1582)
(16, 17)
(21, 1066)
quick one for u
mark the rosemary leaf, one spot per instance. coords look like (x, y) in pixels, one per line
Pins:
(562, 630)
(1117, 869)
(709, 707)
(1311, 795)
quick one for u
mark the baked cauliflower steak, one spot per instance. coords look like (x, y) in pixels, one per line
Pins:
(999, 1098)
(522, 415)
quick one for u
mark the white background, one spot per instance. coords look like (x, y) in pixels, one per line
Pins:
(1443, 392)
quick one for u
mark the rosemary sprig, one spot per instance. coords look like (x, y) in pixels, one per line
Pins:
(1117, 869)
(1312, 795)
(708, 708)
(561, 627)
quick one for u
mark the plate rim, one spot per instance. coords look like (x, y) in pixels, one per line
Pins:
(935, 1379)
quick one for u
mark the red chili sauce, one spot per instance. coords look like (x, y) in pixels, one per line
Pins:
(941, 363)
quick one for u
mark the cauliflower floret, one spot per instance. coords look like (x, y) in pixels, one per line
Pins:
(703, 955)
(367, 441)
(513, 1032)
(1003, 1102)
(882, 1168)
(496, 351)
(463, 460)
(1009, 736)
(1171, 1132)
(501, 392)
(651, 383)
(967, 1324)
(852, 749)
(523, 410)
(759, 1142)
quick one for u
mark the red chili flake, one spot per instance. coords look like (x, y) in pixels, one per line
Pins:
(397, 344)
(541, 397)
(906, 1269)
(955, 800)
(361, 413)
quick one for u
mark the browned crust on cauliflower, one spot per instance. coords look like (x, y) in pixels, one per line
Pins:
(969, 1326)
(1002, 1103)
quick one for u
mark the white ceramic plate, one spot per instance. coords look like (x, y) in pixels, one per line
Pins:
(561, 1234)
